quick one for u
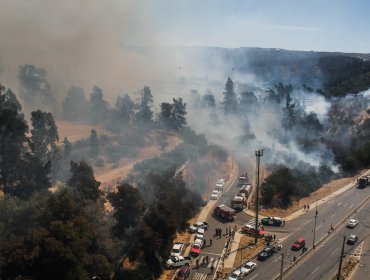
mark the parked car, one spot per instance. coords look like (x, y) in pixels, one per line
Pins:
(272, 221)
(176, 249)
(248, 267)
(183, 273)
(178, 261)
(215, 194)
(194, 228)
(352, 223)
(236, 275)
(352, 239)
(251, 230)
(267, 252)
(195, 249)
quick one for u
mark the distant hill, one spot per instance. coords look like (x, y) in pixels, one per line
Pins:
(318, 70)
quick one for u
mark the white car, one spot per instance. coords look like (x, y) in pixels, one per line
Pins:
(220, 186)
(194, 228)
(199, 234)
(236, 275)
(178, 261)
(248, 267)
(215, 194)
(352, 223)
(176, 249)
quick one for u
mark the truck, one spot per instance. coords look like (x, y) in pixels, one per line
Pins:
(224, 212)
(363, 182)
(243, 179)
(246, 189)
(239, 202)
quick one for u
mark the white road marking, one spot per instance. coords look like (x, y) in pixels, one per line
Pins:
(306, 223)
(345, 204)
(351, 206)
(334, 251)
(331, 201)
(332, 215)
(254, 277)
(199, 276)
(340, 203)
(315, 269)
(319, 227)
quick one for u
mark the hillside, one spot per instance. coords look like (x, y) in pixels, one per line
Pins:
(111, 174)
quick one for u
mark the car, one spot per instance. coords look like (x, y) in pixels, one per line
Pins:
(248, 267)
(298, 244)
(215, 194)
(251, 230)
(195, 249)
(199, 234)
(352, 239)
(200, 241)
(220, 186)
(266, 253)
(236, 275)
(272, 221)
(183, 272)
(178, 261)
(194, 228)
(176, 249)
(352, 223)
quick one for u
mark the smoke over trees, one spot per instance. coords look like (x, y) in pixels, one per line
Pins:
(35, 89)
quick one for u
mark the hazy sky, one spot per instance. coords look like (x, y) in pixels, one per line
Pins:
(82, 42)
(341, 25)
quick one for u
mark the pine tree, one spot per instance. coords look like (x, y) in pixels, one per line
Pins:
(230, 101)
(144, 115)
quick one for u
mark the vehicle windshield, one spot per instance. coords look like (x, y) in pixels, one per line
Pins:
(247, 266)
(175, 251)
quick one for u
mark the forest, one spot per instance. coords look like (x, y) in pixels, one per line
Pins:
(67, 233)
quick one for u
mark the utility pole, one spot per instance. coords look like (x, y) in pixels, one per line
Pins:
(282, 266)
(259, 153)
(314, 227)
(341, 258)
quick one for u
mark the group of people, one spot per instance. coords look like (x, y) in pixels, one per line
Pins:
(306, 207)
(218, 232)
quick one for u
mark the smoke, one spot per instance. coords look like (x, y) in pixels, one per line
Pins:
(79, 43)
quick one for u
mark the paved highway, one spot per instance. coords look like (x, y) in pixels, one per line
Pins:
(330, 212)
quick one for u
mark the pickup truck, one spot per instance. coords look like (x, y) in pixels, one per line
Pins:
(178, 261)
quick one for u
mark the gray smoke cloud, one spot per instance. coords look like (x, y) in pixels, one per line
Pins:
(79, 42)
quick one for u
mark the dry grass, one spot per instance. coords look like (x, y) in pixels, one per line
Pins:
(322, 192)
(348, 267)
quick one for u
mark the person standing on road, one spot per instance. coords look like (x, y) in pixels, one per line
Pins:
(210, 241)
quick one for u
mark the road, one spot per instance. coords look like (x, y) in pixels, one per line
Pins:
(330, 212)
(324, 262)
(214, 252)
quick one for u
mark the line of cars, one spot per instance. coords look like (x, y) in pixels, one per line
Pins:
(218, 189)
(352, 238)
(176, 259)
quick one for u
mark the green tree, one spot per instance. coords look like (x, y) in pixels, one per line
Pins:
(93, 143)
(12, 137)
(35, 89)
(289, 114)
(99, 108)
(166, 113)
(144, 115)
(128, 208)
(230, 102)
(178, 114)
(83, 181)
(75, 107)
(125, 107)
(208, 100)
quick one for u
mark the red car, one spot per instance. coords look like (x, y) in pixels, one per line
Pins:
(299, 244)
(183, 273)
(195, 249)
